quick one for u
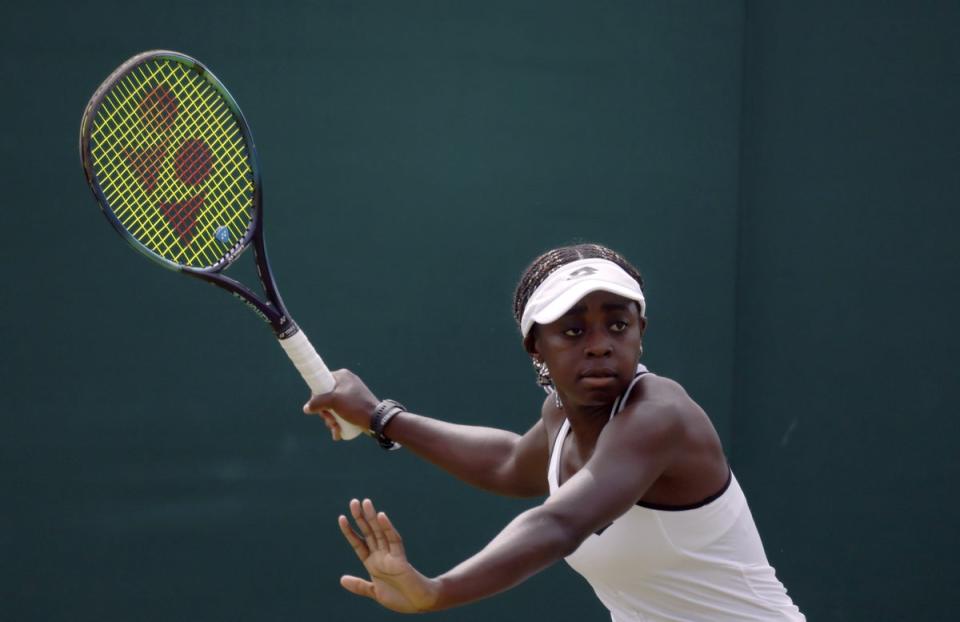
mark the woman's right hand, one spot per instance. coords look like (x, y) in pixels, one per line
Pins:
(394, 582)
(350, 399)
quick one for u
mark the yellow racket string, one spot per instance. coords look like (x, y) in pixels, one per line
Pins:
(173, 164)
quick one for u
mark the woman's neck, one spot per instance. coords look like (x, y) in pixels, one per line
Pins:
(586, 421)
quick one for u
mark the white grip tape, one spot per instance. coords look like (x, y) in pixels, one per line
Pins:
(315, 372)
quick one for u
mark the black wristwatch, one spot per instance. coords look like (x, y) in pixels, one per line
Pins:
(382, 414)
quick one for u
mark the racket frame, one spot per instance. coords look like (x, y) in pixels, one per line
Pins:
(271, 310)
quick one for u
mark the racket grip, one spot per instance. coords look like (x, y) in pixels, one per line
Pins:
(315, 372)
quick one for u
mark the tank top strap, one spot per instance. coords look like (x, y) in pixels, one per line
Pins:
(622, 400)
(553, 470)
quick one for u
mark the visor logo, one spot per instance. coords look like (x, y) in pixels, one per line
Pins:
(579, 272)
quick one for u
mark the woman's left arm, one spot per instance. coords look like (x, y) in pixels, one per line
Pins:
(631, 453)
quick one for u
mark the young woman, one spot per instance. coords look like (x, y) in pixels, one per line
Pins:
(641, 500)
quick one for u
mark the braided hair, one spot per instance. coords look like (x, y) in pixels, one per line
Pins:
(546, 263)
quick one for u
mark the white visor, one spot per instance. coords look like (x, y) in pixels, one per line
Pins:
(564, 287)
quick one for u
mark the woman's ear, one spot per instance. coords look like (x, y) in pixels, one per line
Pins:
(530, 343)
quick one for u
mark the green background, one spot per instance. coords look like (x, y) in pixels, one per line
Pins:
(784, 174)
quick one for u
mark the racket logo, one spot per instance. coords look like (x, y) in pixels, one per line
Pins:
(253, 307)
(223, 235)
(158, 113)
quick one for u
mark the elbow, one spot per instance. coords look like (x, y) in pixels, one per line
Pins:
(521, 490)
(510, 480)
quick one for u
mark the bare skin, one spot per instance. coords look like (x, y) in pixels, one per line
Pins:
(661, 449)
(394, 582)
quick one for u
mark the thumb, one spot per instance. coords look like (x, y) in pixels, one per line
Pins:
(317, 403)
(358, 586)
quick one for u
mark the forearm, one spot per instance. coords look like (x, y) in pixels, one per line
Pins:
(474, 454)
(531, 542)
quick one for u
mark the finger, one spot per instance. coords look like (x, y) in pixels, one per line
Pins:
(334, 431)
(310, 409)
(370, 513)
(358, 586)
(361, 522)
(359, 546)
(317, 403)
(394, 541)
(332, 425)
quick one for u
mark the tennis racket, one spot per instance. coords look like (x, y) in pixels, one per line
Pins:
(171, 161)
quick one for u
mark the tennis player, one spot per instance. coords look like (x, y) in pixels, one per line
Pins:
(641, 500)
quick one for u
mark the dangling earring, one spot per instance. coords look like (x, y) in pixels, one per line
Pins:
(545, 381)
(640, 356)
(543, 374)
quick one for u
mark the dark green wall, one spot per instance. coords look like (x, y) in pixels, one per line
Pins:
(846, 393)
(784, 178)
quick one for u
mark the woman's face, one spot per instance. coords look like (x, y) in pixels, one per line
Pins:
(592, 350)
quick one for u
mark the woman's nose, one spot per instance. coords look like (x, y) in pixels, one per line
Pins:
(598, 345)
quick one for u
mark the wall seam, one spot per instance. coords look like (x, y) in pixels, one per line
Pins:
(739, 208)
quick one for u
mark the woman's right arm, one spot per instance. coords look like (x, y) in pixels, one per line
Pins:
(491, 459)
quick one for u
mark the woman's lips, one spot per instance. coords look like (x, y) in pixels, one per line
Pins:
(598, 377)
(599, 372)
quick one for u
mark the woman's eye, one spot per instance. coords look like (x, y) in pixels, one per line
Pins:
(619, 326)
(573, 332)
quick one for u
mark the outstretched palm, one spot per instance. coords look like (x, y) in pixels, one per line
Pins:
(393, 583)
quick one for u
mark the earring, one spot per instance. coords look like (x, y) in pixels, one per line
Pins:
(543, 373)
(545, 381)
(640, 356)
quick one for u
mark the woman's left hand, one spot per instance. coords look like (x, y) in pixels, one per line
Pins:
(350, 399)
(393, 583)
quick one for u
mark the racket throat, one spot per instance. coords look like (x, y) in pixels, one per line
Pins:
(281, 323)
(271, 312)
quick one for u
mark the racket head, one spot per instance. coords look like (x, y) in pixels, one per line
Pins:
(172, 163)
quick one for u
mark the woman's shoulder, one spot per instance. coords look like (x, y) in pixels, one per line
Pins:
(662, 400)
(656, 390)
(662, 404)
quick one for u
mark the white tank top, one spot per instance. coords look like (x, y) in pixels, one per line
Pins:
(705, 562)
